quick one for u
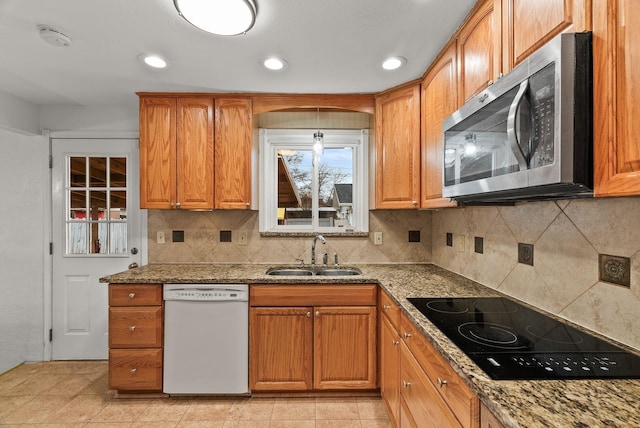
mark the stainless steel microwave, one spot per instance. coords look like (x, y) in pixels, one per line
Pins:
(528, 136)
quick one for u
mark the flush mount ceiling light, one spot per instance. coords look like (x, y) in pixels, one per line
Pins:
(394, 62)
(154, 61)
(274, 63)
(222, 17)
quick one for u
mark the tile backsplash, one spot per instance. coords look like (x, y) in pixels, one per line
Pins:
(567, 238)
(202, 239)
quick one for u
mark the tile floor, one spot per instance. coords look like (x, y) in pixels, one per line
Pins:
(75, 394)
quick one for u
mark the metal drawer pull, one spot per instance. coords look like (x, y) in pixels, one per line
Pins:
(441, 382)
(132, 295)
(406, 384)
(386, 307)
(132, 328)
(317, 313)
(394, 342)
(308, 314)
(407, 335)
(133, 371)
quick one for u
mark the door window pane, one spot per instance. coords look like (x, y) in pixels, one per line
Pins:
(96, 220)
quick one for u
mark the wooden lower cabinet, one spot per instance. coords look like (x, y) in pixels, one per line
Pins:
(135, 337)
(423, 401)
(487, 420)
(390, 356)
(312, 347)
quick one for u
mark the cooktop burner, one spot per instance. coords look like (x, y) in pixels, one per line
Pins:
(511, 341)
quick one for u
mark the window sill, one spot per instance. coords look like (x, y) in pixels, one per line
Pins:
(312, 234)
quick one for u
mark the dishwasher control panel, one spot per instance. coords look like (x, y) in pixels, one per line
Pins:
(206, 292)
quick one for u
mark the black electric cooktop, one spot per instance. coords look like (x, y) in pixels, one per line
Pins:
(511, 341)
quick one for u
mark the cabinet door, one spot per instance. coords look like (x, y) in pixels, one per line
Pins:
(530, 24)
(345, 347)
(480, 50)
(233, 127)
(616, 84)
(281, 349)
(487, 420)
(390, 370)
(135, 369)
(157, 153)
(398, 149)
(195, 153)
(423, 402)
(438, 101)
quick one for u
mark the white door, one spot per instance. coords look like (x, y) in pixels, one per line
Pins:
(96, 232)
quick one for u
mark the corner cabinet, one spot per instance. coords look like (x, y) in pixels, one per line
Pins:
(177, 153)
(438, 101)
(312, 337)
(616, 71)
(398, 148)
(135, 337)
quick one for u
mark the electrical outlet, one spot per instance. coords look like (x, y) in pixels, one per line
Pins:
(160, 237)
(525, 253)
(459, 243)
(377, 238)
(242, 237)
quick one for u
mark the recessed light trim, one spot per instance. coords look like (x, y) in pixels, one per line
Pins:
(274, 63)
(221, 17)
(394, 62)
(153, 61)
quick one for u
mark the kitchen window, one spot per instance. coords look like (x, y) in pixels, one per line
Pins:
(304, 191)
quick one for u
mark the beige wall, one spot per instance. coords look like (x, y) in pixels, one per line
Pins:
(202, 239)
(567, 238)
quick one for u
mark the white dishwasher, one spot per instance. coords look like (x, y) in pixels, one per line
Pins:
(206, 339)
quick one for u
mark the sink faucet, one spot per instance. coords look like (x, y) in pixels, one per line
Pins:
(313, 248)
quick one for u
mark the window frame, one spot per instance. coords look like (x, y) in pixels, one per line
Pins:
(271, 140)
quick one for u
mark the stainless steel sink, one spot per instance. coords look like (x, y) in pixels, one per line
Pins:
(315, 271)
(289, 272)
(338, 272)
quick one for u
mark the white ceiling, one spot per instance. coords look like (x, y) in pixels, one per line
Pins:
(331, 46)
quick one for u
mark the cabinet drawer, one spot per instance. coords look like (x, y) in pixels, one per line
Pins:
(313, 295)
(135, 327)
(135, 295)
(389, 308)
(456, 394)
(135, 369)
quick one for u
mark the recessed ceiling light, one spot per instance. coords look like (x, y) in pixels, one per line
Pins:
(154, 61)
(222, 17)
(394, 62)
(274, 63)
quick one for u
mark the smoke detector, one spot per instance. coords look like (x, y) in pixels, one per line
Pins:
(53, 36)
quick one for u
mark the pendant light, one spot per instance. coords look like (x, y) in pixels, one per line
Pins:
(318, 139)
(221, 17)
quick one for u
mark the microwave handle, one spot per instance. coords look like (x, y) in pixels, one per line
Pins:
(512, 135)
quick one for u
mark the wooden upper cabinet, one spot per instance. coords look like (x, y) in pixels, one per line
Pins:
(480, 50)
(157, 152)
(195, 153)
(616, 71)
(233, 127)
(438, 100)
(531, 24)
(398, 148)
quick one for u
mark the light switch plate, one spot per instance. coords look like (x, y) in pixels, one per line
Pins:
(160, 237)
(377, 238)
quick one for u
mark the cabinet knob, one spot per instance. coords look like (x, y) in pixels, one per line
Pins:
(177, 204)
(386, 307)
(171, 204)
(132, 295)
(407, 335)
(133, 371)
(132, 328)
(309, 314)
(248, 205)
(406, 384)
(395, 342)
(414, 203)
(317, 313)
(441, 382)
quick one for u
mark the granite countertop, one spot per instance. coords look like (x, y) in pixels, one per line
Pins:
(518, 403)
